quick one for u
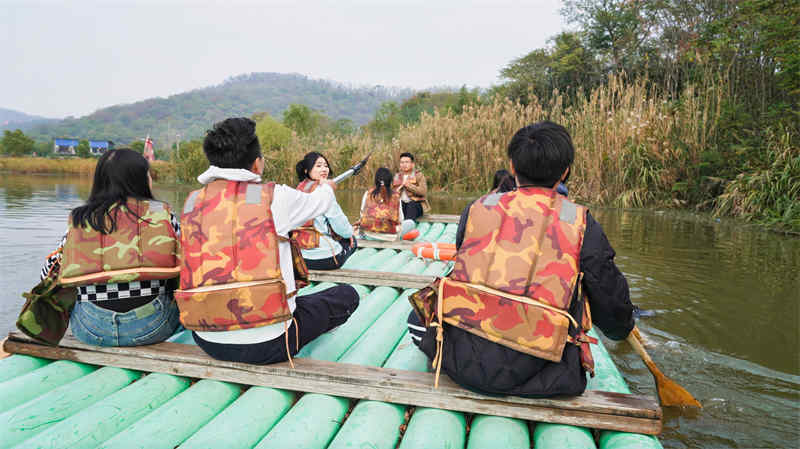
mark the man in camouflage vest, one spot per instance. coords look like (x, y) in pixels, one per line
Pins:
(532, 273)
(238, 288)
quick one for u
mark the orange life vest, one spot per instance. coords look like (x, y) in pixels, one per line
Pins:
(516, 273)
(306, 236)
(379, 216)
(230, 274)
(143, 246)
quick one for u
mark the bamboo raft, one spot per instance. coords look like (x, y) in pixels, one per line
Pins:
(363, 384)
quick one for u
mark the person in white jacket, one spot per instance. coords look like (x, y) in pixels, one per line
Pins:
(234, 153)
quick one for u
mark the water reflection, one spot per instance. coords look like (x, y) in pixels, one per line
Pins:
(724, 296)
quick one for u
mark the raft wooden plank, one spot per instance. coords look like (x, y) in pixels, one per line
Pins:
(595, 409)
(400, 245)
(366, 277)
(440, 218)
(3, 353)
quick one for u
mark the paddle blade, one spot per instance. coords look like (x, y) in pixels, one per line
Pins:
(411, 235)
(670, 394)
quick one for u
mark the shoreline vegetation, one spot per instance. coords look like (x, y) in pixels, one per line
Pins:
(680, 105)
(634, 149)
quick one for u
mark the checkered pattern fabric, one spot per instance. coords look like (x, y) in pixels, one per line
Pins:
(122, 290)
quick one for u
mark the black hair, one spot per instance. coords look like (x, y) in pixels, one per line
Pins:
(503, 181)
(232, 143)
(383, 184)
(408, 155)
(120, 174)
(540, 153)
(303, 168)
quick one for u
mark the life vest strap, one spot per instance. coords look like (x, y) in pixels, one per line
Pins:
(518, 298)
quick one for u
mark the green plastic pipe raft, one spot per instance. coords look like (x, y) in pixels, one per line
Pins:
(37, 382)
(16, 365)
(245, 422)
(310, 424)
(99, 422)
(175, 421)
(35, 416)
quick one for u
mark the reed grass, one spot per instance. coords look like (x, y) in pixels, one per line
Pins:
(770, 195)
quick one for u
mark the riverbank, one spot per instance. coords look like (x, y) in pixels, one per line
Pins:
(740, 198)
(160, 170)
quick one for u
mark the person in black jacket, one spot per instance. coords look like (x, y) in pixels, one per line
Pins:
(486, 367)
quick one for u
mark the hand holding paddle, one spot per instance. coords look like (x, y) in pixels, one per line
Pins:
(670, 394)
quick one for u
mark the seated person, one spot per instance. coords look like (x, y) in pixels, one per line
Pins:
(238, 291)
(120, 303)
(503, 182)
(381, 210)
(326, 241)
(412, 187)
(525, 334)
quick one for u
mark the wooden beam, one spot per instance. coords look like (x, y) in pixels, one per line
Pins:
(376, 278)
(3, 353)
(399, 244)
(595, 409)
(440, 218)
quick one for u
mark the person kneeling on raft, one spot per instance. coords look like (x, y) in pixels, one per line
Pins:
(326, 241)
(238, 290)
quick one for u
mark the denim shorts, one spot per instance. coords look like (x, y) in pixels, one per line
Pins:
(151, 323)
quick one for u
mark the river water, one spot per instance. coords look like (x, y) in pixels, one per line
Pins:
(723, 296)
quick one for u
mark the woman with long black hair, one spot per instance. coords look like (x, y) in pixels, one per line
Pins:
(382, 210)
(326, 241)
(121, 253)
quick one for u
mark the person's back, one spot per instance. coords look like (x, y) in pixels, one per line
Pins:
(238, 292)
(121, 254)
(381, 210)
(513, 315)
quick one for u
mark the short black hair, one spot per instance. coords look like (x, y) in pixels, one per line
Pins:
(540, 153)
(232, 143)
(408, 155)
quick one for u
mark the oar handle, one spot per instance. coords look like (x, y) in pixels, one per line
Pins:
(634, 338)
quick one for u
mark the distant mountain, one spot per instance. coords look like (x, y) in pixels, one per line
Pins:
(191, 113)
(11, 119)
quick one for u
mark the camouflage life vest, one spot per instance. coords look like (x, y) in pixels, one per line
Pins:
(306, 236)
(379, 216)
(143, 246)
(516, 272)
(230, 274)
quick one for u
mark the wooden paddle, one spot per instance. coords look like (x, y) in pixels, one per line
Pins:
(670, 394)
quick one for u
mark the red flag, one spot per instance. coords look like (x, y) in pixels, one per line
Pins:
(149, 154)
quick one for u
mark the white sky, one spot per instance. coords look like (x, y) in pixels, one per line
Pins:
(62, 58)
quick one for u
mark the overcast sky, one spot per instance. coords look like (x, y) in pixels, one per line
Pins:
(62, 59)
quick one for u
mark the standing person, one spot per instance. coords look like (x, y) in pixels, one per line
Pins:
(327, 240)
(382, 211)
(532, 263)
(121, 252)
(238, 289)
(412, 187)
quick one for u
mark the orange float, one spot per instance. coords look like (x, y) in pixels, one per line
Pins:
(411, 235)
(437, 251)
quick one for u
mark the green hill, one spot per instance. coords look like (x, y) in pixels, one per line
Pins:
(11, 119)
(191, 113)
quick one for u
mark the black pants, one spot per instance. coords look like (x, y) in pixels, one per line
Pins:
(412, 210)
(332, 263)
(315, 314)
